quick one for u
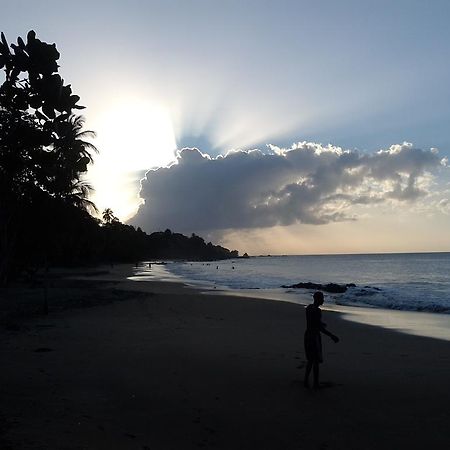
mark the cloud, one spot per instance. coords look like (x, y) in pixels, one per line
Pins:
(308, 183)
(444, 206)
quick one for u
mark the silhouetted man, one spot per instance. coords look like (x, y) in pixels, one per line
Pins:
(313, 341)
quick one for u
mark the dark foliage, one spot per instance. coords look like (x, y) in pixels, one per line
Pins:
(125, 243)
(74, 238)
(177, 246)
(43, 153)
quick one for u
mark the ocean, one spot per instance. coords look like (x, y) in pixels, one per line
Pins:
(408, 282)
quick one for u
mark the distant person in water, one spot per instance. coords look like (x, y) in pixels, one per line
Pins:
(313, 341)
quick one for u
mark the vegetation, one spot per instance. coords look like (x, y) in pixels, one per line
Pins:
(44, 206)
(120, 242)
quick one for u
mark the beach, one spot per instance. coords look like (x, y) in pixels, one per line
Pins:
(159, 365)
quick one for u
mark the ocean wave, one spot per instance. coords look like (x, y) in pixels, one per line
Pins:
(417, 284)
(390, 298)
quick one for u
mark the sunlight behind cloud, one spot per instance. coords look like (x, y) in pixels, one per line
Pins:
(133, 136)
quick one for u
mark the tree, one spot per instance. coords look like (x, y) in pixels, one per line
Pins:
(43, 151)
(109, 217)
(73, 154)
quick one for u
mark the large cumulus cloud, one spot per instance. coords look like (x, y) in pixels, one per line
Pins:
(308, 183)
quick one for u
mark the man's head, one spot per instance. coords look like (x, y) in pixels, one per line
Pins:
(318, 298)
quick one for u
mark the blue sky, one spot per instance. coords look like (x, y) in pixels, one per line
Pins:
(361, 75)
(355, 73)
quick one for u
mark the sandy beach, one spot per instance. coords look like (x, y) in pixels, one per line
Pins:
(157, 365)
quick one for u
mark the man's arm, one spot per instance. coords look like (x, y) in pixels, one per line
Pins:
(324, 330)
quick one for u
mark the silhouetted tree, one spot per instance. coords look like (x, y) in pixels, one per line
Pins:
(43, 151)
(108, 216)
(73, 155)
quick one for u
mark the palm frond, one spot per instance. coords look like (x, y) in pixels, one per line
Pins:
(79, 196)
(86, 134)
(89, 145)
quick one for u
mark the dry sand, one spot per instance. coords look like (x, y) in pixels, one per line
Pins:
(164, 367)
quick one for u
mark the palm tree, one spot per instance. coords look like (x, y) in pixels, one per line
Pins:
(79, 196)
(109, 217)
(73, 154)
(76, 136)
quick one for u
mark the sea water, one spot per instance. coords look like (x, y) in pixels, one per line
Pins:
(417, 284)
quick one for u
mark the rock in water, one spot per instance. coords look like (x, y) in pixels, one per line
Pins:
(332, 288)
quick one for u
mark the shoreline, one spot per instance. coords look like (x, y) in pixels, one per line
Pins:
(417, 323)
(170, 368)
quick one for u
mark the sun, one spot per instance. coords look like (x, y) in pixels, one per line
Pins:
(132, 136)
(136, 135)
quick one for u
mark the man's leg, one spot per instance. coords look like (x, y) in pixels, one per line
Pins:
(309, 365)
(316, 374)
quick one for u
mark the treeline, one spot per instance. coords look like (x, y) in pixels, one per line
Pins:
(58, 234)
(120, 242)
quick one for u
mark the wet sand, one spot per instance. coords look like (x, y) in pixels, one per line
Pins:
(161, 366)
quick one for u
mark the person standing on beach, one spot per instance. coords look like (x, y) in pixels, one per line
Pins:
(313, 341)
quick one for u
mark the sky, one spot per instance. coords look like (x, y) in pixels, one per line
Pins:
(273, 127)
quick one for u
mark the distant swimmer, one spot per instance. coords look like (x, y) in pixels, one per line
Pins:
(313, 341)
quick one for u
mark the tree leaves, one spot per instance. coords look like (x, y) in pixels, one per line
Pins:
(39, 132)
(82, 164)
(4, 49)
(21, 43)
(42, 151)
(44, 85)
(31, 36)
